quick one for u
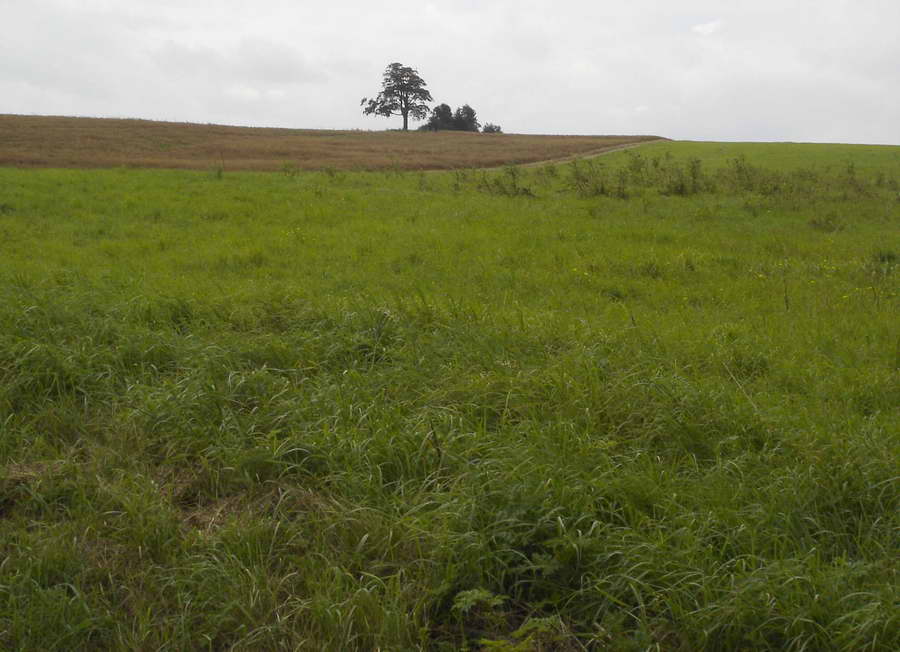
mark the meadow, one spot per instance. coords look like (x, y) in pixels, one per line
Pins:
(645, 401)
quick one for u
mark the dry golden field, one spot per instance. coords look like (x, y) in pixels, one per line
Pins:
(59, 142)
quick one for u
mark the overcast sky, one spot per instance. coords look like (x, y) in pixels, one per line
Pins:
(800, 70)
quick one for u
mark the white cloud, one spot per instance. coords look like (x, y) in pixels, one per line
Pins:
(707, 29)
(780, 71)
(243, 93)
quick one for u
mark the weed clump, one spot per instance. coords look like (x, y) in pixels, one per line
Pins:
(509, 184)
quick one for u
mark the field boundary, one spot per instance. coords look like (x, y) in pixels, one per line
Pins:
(589, 155)
(565, 159)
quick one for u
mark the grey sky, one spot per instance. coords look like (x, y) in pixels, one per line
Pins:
(802, 70)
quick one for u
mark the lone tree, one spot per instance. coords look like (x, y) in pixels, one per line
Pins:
(403, 93)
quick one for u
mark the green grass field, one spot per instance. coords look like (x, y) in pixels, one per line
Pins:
(648, 401)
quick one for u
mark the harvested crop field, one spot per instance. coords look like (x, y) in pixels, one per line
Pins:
(41, 141)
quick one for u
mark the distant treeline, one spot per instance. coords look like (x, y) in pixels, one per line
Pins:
(463, 119)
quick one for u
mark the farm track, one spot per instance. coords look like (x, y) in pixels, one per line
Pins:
(590, 155)
(574, 157)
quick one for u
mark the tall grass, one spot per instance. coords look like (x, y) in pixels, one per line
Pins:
(651, 404)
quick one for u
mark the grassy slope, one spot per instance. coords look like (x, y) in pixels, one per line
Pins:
(45, 141)
(396, 410)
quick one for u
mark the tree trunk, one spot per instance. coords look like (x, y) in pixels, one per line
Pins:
(406, 121)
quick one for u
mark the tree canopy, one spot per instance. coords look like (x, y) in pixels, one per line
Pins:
(402, 93)
(442, 117)
(464, 119)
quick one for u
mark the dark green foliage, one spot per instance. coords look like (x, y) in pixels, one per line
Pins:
(464, 119)
(441, 119)
(402, 93)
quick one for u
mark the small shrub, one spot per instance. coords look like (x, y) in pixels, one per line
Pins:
(290, 169)
(882, 264)
(480, 610)
(829, 224)
(507, 185)
(885, 257)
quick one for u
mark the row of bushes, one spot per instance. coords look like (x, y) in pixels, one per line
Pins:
(443, 118)
(682, 178)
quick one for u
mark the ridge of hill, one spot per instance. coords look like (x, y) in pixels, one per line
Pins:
(66, 142)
